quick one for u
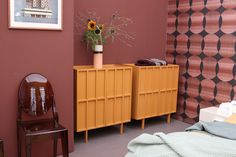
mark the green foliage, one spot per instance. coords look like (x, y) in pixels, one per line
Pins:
(92, 39)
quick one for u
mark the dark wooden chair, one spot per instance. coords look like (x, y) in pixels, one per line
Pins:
(1, 148)
(37, 116)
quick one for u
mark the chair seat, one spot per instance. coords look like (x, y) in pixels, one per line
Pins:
(43, 128)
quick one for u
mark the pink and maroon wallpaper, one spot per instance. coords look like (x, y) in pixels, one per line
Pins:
(201, 38)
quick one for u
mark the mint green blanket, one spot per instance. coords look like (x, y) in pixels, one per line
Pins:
(181, 144)
(221, 129)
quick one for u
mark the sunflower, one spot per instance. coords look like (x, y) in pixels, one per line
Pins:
(97, 31)
(91, 25)
(101, 27)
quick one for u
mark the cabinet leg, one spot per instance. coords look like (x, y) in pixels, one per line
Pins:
(86, 136)
(168, 118)
(143, 123)
(121, 128)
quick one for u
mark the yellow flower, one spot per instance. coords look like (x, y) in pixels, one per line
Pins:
(91, 25)
(101, 27)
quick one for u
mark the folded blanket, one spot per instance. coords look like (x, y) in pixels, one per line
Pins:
(221, 129)
(145, 62)
(150, 62)
(158, 61)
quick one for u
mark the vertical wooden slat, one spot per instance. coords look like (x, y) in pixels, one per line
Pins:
(123, 92)
(96, 101)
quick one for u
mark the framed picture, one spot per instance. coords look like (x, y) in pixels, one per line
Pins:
(35, 14)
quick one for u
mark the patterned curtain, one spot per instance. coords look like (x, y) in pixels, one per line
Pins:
(201, 38)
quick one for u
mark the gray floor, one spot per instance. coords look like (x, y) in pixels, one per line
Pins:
(107, 142)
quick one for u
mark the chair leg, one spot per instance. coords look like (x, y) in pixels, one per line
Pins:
(28, 147)
(55, 146)
(19, 142)
(1, 149)
(64, 142)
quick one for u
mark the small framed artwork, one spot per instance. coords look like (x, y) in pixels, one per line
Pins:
(35, 14)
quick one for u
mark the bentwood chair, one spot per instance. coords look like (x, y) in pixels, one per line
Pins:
(1, 148)
(37, 116)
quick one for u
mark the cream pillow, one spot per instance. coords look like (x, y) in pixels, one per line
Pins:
(231, 119)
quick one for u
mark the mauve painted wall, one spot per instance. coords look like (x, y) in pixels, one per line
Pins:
(150, 17)
(46, 52)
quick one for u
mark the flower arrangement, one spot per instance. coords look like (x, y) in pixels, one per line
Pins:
(96, 33)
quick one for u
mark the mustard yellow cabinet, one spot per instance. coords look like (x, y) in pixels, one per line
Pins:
(102, 97)
(154, 91)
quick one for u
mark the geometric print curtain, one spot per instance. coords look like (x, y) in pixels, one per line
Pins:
(201, 39)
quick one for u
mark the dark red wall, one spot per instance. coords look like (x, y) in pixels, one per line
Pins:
(26, 51)
(149, 26)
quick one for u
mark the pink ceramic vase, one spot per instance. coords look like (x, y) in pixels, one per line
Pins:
(98, 57)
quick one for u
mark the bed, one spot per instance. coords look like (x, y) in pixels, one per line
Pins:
(212, 139)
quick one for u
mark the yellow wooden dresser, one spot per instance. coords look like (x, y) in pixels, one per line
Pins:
(102, 97)
(155, 91)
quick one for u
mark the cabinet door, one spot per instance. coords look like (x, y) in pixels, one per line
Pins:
(81, 85)
(100, 113)
(109, 111)
(173, 101)
(118, 110)
(91, 114)
(80, 120)
(126, 109)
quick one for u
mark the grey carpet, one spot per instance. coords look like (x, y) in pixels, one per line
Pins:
(107, 142)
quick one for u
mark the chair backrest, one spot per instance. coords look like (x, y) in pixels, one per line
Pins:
(35, 95)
